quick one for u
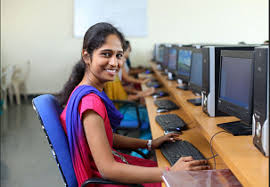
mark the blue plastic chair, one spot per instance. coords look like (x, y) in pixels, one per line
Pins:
(48, 111)
(127, 124)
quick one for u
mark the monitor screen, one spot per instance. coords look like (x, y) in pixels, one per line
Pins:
(236, 84)
(183, 64)
(160, 54)
(196, 72)
(172, 59)
(165, 61)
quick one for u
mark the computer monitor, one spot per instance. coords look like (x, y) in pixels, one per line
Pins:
(235, 95)
(195, 79)
(164, 63)
(172, 60)
(183, 65)
(211, 71)
(160, 53)
(155, 52)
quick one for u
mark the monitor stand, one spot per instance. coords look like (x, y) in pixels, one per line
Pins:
(170, 76)
(237, 128)
(196, 101)
(159, 67)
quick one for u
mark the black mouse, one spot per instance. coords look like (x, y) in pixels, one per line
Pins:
(161, 110)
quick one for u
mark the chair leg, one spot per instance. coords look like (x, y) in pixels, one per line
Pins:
(4, 99)
(16, 87)
(10, 94)
(24, 91)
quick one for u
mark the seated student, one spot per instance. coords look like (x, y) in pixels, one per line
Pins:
(89, 116)
(131, 84)
(116, 91)
(131, 70)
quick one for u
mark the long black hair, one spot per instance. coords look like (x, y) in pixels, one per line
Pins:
(94, 38)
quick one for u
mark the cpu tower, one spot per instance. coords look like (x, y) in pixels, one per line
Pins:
(260, 118)
(210, 84)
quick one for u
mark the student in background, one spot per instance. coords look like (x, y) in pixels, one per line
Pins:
(127, 71)
(131, 70)
(132, 85)
(121, 90)
(89, 117)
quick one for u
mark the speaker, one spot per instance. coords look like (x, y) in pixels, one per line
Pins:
(260, 118)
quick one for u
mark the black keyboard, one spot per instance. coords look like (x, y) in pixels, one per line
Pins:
(170, 121)
(160, 93)
(196, 102)
(153, 84)
(166, 104)
(153, 79)
(172, 151)
(237, 128)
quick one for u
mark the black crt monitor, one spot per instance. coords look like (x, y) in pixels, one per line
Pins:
(211, 71)
(164, 63)
(160, 53)
(183, 66)
(195, 78)
(235, 95)
(155, 52)
(172, 61)
(196, 70)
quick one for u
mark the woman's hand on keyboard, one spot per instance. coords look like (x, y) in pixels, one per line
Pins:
(144, 81)
(187, 163)
(160, 140)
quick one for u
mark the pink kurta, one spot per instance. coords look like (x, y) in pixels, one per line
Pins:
(93, 102)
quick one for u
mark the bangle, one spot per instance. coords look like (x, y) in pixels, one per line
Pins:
(149, 145)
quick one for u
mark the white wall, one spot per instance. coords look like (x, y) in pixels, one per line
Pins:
(41, 31)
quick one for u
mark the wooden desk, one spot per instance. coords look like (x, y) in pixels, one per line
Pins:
(235, 152)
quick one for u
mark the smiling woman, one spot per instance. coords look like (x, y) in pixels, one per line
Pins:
(89, 117)
(106, 64)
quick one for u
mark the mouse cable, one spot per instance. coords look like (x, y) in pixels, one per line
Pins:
(211, 149)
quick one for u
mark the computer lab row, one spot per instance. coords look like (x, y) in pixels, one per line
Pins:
(230, 80)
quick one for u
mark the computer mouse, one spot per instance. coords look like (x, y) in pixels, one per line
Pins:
(172, 130)
(156, 85)
(163, 93)
(175, 129)
(155, 96)
(161, 110)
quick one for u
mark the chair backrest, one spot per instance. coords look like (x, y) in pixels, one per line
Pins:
(48, 111)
